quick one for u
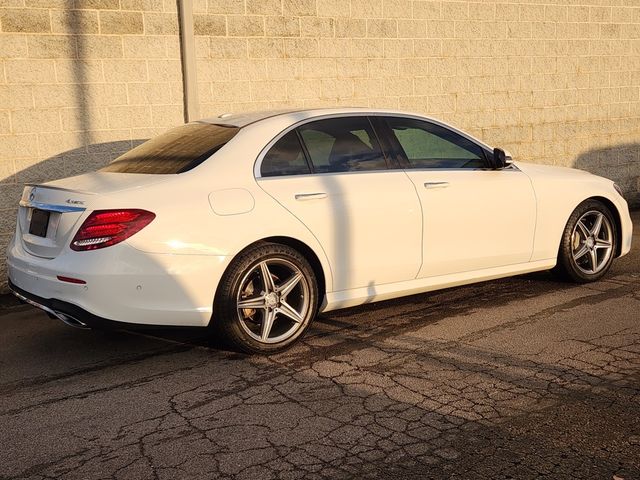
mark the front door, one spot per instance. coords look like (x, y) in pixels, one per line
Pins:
(474, 217)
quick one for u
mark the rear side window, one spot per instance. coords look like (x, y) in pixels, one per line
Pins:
(176, 151)
(427, 145)
(286, 157)
(342, 145)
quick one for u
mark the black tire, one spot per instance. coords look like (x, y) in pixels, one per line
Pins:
(238, 330)
(573, 269)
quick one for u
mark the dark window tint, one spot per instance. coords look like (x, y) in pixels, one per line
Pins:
(285, 158)
(175, 151)
(427, 145)
(342, 145)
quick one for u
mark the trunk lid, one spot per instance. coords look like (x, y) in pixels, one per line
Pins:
(49, 213)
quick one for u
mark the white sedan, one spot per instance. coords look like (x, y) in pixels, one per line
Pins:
(251, 224)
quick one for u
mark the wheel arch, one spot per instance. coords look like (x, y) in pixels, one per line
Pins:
(311, 257)
(298, 245)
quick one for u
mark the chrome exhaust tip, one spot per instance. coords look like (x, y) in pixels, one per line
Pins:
(71, 321)
(66, 318)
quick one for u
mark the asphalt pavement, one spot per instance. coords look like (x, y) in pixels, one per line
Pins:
(518, 378)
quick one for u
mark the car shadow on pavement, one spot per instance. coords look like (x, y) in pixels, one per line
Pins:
(68, 350)
(390, 317)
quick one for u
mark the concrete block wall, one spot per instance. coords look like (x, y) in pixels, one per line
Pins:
(553, 81)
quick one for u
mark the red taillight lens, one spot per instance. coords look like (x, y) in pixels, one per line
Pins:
(104, 228)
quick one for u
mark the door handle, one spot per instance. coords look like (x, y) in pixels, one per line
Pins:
(432, 185)
(310, 196)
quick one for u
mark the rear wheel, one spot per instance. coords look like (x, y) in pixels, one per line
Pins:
(266, 300)
(588, 243)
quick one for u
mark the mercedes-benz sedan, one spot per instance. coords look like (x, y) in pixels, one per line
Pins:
(251, 224)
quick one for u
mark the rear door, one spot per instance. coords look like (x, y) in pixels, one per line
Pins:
(474, 217)
(332, 175)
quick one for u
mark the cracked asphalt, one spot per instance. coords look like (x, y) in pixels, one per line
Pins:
(518, 378)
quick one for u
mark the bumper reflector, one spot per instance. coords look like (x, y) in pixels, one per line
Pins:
(71, 280)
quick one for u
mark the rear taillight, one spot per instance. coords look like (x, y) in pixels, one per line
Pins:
(104, 228)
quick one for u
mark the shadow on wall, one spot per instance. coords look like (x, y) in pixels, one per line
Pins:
(620, 163)
(76, 162)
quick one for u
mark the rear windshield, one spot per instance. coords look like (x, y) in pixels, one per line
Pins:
(175, 151)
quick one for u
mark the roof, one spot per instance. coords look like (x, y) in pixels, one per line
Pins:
(244, 119)
(285, 117)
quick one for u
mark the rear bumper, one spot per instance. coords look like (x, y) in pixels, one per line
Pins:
(77, 317)
(123, 286)
(70, 314)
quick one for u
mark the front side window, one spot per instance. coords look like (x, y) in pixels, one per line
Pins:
(176, 151)
(427, 145)
(342, 145)
(286, 157)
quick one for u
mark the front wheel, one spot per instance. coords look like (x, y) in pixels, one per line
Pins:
(266, 300)
(588, 243)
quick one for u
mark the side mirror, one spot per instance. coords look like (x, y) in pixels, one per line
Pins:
(501, 159)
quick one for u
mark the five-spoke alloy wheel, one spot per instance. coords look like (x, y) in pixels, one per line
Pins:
(588, 244)
(592, 242)
(267, 299)
(273, 300)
